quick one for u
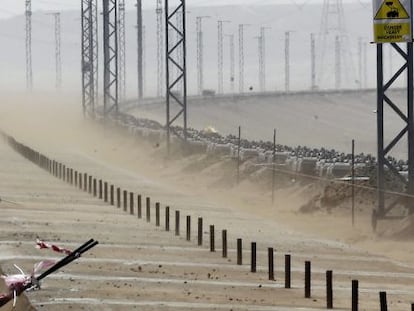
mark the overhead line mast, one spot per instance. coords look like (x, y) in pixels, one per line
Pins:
(29, 71)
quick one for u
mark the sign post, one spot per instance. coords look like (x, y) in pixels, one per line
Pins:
(392, 21)
(393, 24)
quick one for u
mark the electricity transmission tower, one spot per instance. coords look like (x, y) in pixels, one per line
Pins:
(200, 54)
(241, 57)
(232, 62)
(176, 69)
(333, 29)
(160, 51)
(110, 48)
(89, 51)
(121, 50)
(220, 78)
(58, 58)
(140, 49)
(29, 72)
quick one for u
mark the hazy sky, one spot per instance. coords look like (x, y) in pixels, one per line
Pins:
(17, 7)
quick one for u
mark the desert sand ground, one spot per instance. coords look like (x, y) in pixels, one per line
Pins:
(140, 266)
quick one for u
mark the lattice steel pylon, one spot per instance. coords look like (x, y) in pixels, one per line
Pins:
(333, 26)
(58, 56)
(200, 54)
(140, 49)
(385, 165)
(29, 70)
(160, 49)
(231, 62)
(121, 51)
(110, 49)
(220, 60)
(172, 77)
(89, 54)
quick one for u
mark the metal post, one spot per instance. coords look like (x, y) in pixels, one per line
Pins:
(253, 258)
(274, 166)
(287, 271)
(354, 295)
(380, 132)
(239, 251)
(200, 231)
(329, 292)
(224, 243)
(307, 279)
(238, 156)
(353, 182)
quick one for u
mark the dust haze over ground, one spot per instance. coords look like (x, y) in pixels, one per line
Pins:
(55, 126)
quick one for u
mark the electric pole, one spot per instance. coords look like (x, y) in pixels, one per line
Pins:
(29, 72)
(241, 57)
(160, 50)
(220, 77)
(58, 58)
(337, 62)
(360, 62)
(365, 67)
(121, 50)
(262, 59)
(232, 62)
(144, 63)
(287, 60)
(313, 62)
(200, 54)
(139, 48)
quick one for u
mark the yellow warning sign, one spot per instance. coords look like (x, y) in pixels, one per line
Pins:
(391, 9)
(392, 32)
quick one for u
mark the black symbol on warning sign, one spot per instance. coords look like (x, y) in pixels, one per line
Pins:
(393, 13)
